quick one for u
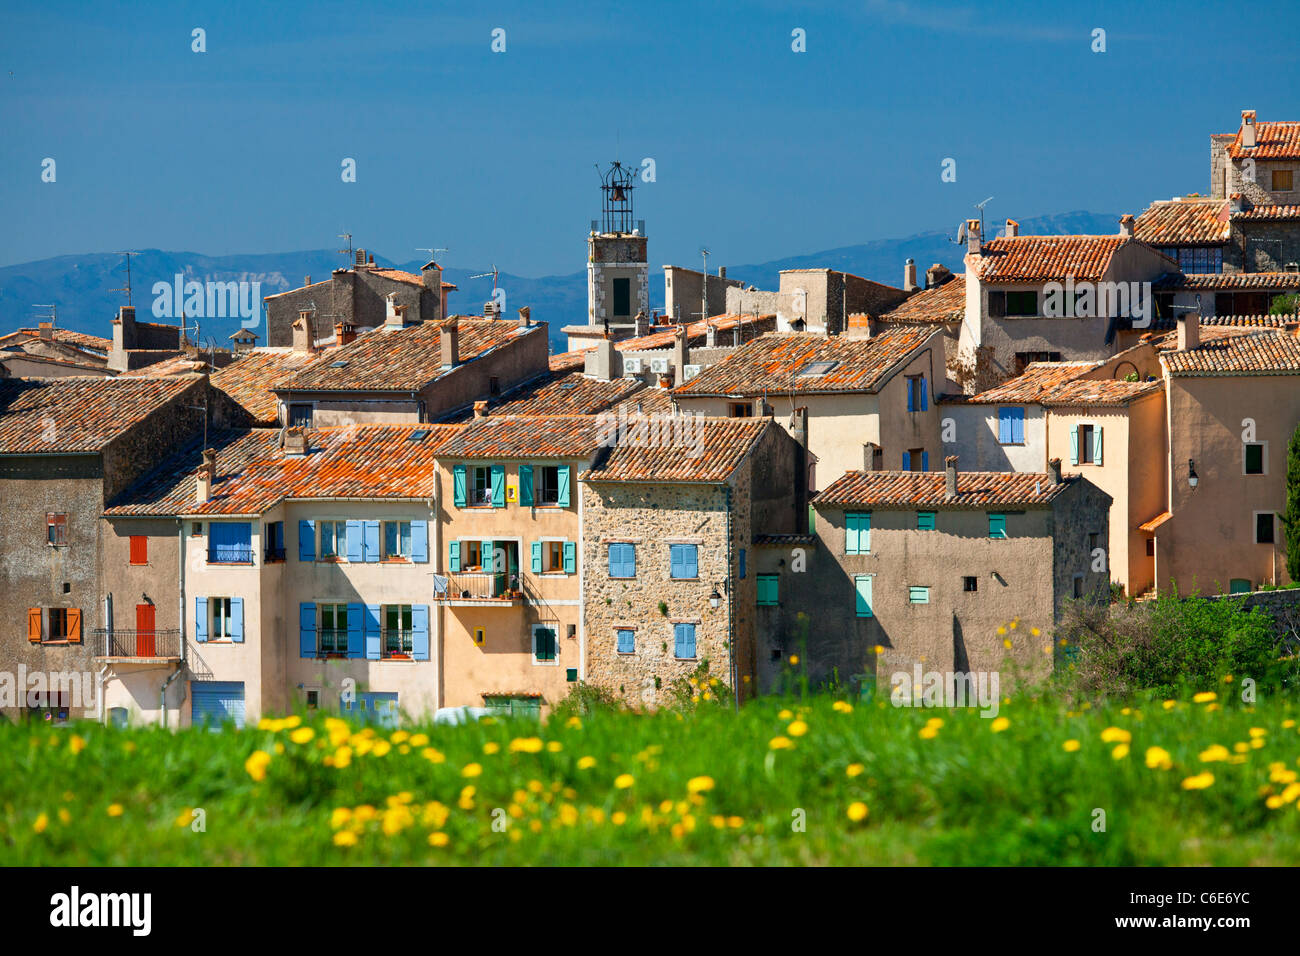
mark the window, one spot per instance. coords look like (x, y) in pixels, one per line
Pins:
(1078, 585)
(552, 555)
(1253, 458)
(332, 636)
(548, 485)
(371, 707)
(862, 592)
(274, 534)
(399, 632)
(56, 526)
(514, 706)
(1282, 181)
(221, 619)
(622, 559)
(1195, 259)
(918, 399)
(740, 410)
(622, 298)
(815, 369)
(1021, 303)
(139, 549)
(683, 560)
(925, 520)
(397, 539)
(1151, 547)
(916, 459)
(479, 636)
(741, 560)
(58, 624)
(482, 490)
(230, 542)
(299, 416)
(997, 525)
(494, 385)
(333, 539)
(918, 595)
(684, 641)
(196, 529)
(313, 700)
(1011, 426)
(1264, 527)
(53, 624)
(970, 584)
(1239, 586)
(545, 646)
(768, 589)
(1093, 538)
(471, 553)
(626, 640)
(857, 532)
(1025, 359)
(1085, 445)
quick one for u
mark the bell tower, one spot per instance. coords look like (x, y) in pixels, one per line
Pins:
(617, 268)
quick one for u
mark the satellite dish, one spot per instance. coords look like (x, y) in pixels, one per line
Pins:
(961, 233)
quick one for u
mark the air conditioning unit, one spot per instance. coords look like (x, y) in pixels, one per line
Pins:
(659, 366)
(690, 371)
(631, 366)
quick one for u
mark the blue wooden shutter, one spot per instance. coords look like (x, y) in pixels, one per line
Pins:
(536, 563)
(420, 541)
(692, 561)
(626, 641)
(925, 461)
(742, 563)
(372, 541)
(306, 630)
(356, 631)
(237, 620)
(911, 394)
(684, 640)
(1004, 426)
(907, 461)
(997, 526)
(453, 555)
(526, 485)
(1096, 446)
(1074, 445)
(498, 486)
(925, 395)
(862, 588)
(374, 632)
(675, 561)
(570, 557)
(201, 619)
(458, 485)
(616, 560)
(306, 540)
(629, 560)
(1018, 426)
(420, 632)
(356, 549)
(562, 483)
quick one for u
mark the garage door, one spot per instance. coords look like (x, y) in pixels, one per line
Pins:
(216, 702)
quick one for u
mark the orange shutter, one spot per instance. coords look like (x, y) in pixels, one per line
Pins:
(34, 625)
(139, 549)
(74, 625)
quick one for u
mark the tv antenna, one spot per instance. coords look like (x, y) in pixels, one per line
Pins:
(704, 285)
(348, 250)
(493, 274)
(127, 288)
(52, 318)
(980, 206)
(433, 252)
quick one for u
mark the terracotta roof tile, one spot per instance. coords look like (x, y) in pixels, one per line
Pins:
(1254, 353)
(251, 378)
(512, 437)
(945, 303)
(777, 363)
(177, 365)
(566, 394)
(1211, 281)
(704, 450)
(1043, 258)
(1184, 222)
(662, 337)
(253, 474)
(1038, 380)
(1273, 141)
(1100, 391)
(1280, 212)
(647, 401)
(402, 360)
(78, 414)
(81, 340)
(975, 489)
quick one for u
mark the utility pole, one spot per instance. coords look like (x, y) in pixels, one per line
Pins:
(127, 287)
(704, 283)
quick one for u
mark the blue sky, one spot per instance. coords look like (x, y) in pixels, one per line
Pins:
(760, 152)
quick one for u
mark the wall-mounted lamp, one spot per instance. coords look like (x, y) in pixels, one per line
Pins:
(1192, 478)
(715, 598)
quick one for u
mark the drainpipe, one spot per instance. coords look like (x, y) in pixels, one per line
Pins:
(180, 618)
(100, 712)
(731, 615)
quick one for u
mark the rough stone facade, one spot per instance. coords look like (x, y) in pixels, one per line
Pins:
(684, 292)
(357, 296)
(610, 257)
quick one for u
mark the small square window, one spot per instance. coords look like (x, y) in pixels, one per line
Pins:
(1151, 547)
(482, 490)
(740, 410)
(626, 640)
(997, 526)
(313, 700)
(1086, 446)
(1253, 458)
(1093, 539)
(552, 555)
(918, 595)
(970, 583)
(1282, 181)
(548, 485)
(480, 636)
(769, 590)
(56, 527)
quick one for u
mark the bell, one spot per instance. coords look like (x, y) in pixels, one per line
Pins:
(618, 194)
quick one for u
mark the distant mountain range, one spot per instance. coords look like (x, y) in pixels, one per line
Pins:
(79, 284)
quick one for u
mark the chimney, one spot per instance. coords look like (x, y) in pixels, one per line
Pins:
(762, 408)
(973, 237)
(710, 334)
(1248, 129)
(449, 343)
(1189, 330)
(360, 258)
(1235, 203)
(295, 441)
(205, 476)
(1126, 225)
(491, 310)
(722, 272)
(642, 324)
(303, 339)
(799, 426)
(909, 275)
(936, 276)
(46, 331)
(394, 314)
(524, 317)
(480, 409)
(344, 332)
(681, 355)
(604, 362)
(1054, 471)
(371, 261)
(1013, 229)
(306, 280)
(869, 456)
(950, 476)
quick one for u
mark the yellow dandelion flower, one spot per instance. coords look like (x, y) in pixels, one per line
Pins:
(554, 746)
(1113, 735)
(781, 743)
(624, 780)
(1288, 723)
(77, 744)
(340, 817)
(345, 838)
(586, 763)
(1169, 704)
(928, 732)
(1120, 751)
(381, 747)
(419, 740)
(1214, 753)
(433, 756)
(185, 817)
(858, 811)
(854, 769)
(471, 770)
(1158, 758)
(1034, 631)
(302, 735)
(784, 715)
(842, 706)
(1199, 782)
(1006, 642)
(438, 838)
(527, 745)
(1070, 746)
(574, 723)
(115, 809)
(256, 764)
(699, 784)
(794, 660)
(41, 823)
(797, 728)
(618, 818)
(1204, 697)
(1000, 724)
(1258, 732)
(491, 747)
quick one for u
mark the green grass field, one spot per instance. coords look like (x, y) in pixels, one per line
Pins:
(815, 781)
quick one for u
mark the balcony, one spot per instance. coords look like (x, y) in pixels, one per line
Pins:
(230, 554)
(476, 588)
(273, 555)
(123, 644)
(394, 644)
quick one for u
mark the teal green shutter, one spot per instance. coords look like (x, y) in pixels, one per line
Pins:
(536, 548)
(997, 526)
(453, 556)
(1074, 445)
(498, 486)
(458, 485)
(1096, 446)
(925, 521)
(562, 475)
(862, 585)
(570, 557)
(526, 485)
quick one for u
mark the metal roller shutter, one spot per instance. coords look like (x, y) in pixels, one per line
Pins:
(215, 702)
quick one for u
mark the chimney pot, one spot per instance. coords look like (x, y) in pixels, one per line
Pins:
(1189, 330)
(295, 441)
(1126, 222)
(762, 408)
(46, 330)
(449, 343)
(1248, 129)
(973, 237)
(306, 280)
(1236, 203)
(1054, 471)
(304, 338)
(909, 275)
(950, 476)
(525, 319)
(722, 272)
(1013, 229)
(481, 409)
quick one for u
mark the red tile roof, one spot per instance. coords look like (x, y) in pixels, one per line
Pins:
(1038, 380)
(253, 474)
(1273, 141)
(177, 365)
(771, 364)
(945, 303)
(400, 360)
(397, 275)
(522, 437)
(662, 337)
(1286, 281)
(908, 489)
(250, 380)
(690, 450)
(567, 394)
(1253, 353)
(1099, 391)
(1044, 258)
(78, 414)
(65, 336)
(1249, 321)
(1184, 222)
(647, 401)
(1268, 212)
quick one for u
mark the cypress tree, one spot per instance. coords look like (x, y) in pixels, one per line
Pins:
(1291, 516)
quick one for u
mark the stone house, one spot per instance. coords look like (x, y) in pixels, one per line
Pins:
(50, 352)
(816, 300)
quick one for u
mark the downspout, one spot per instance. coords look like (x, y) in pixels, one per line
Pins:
(582, 588)
(731, 611)
(180, 619)
(435, 639)
(100, 712)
